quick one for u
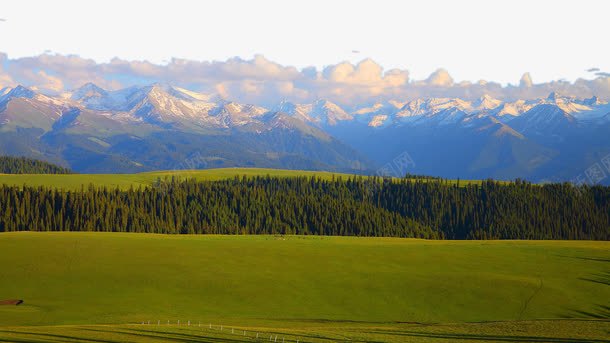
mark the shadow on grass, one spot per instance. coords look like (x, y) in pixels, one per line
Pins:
(264, 334)
(481, 337)
(596, 259)
(122, 333)
(50, 336)
(601, 278)
(166, 336)
(19, 340)
(599, 312)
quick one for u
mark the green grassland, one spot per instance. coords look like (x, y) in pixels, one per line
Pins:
(559, 331)
(125, 181)
(102, 286)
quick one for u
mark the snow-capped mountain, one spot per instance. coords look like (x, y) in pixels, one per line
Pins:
(157, 127)
(160, 103)
(321, 112)
(509, 110)
(486, 102)
(17, 92)
(154, 126)
(328, 113)
(21, 107)
(90, 94)
(544, 118)
(231, 114)
(377, 114)
(296, 110)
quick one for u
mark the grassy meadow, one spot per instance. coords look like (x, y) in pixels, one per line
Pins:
(125, 181)
(102, 286)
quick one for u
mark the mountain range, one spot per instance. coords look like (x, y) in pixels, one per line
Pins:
(161, 126)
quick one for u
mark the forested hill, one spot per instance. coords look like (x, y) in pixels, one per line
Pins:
(433, 209)
(23, 165)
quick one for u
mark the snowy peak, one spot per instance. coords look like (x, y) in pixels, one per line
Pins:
(569, 105)
(328, 112)
(282, 120)
(165, 104)
(18, 92)
(321, 112)
(21, 92)
(378, 120)
(286, 107)
(163, 90)
(329, 108)
(486, 102)
(233, 108)
(159, 95)
(554, 96)
(299, 111)
(433, 106)
(193, 95)
(370, 109)
(232, 114)
(509, 110)
(544, 118)
(88, 91)
(379, 108)
(158, 90)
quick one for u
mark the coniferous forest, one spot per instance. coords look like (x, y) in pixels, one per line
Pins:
(24, 165)
(435, 209)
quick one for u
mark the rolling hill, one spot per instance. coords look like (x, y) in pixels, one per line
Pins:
(315, 289)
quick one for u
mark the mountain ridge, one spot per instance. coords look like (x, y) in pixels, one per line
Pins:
(368, 134)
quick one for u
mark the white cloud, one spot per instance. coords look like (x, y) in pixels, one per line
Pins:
(48, 82)
(526, 80)
(367, 72)
(265, 82)
(440, 78)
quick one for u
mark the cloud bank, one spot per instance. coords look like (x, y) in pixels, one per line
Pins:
(262, 81)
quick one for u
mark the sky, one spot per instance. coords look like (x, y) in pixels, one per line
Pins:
(473, 40)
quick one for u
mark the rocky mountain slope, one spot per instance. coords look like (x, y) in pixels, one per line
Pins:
(165, 127)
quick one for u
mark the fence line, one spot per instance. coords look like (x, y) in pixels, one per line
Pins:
(253, 335)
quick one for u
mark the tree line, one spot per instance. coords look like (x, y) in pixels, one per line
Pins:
(433, 209)
(24, 165)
